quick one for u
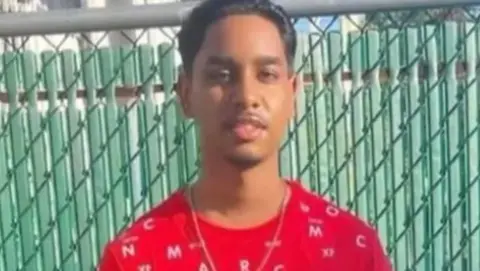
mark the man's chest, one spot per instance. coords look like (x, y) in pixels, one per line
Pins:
(307, 254)
(239, 256)
(306, 243)
(300, 250)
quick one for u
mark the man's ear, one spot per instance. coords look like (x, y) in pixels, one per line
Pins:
(296, 83)
(183, 90)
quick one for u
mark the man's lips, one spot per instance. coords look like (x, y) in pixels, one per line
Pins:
(246, 131)
(248, 127)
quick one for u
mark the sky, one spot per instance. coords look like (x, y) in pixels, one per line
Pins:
(303, 24)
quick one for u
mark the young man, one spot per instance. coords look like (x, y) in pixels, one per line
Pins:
(238, 85)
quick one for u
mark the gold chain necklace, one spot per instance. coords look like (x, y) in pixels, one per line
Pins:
(271, 246)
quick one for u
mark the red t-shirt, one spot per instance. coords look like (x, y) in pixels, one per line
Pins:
(316, 235)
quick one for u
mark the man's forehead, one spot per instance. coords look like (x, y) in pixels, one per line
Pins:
(223, 37)
(260, 59)
(234, 41)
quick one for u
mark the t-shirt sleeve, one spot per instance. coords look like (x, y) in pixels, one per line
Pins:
(379, 259)
(108, 262)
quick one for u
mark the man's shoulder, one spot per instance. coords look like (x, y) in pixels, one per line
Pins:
(154, 229)
(342, 233)
(346, 223)
(159, 218)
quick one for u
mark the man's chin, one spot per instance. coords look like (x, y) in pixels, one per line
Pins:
(245, 158)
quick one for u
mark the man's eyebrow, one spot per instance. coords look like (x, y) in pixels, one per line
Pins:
(220, 60)
(228, 61)
(268, 60)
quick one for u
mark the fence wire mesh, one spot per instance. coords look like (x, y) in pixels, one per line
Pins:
(387, 125)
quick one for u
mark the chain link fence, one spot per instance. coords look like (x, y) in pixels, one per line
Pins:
(387, 125)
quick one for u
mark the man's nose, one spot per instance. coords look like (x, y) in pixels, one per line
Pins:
(245, 93)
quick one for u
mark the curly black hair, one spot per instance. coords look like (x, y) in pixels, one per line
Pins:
(194, 28)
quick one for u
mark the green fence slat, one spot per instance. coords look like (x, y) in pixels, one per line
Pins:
(128, 68)
(142, 143)
(42, 181)
(142, 153)
(57, 147)
(319, 132)
(377, 137)
(302, 159)
(117, 63)
(170, 110)
(435, 200)
(116, 187)
(191, 150)
(147, 71)
(78, 190)
(285, 153)
(409, 256)
(125, 108)
(462, 154)
(472, 100)
(311, 167)
(107, 75)
(127, 167)
(358, 200)
(360, 203)
(338, 142)
(22, 184)
(396, 129)
(150, 136)
(96, 150)
(454, 133)
(476, 190)
(8, 232)
(416, 153)
(131, 119)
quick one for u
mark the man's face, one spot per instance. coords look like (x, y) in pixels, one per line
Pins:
(240, 91)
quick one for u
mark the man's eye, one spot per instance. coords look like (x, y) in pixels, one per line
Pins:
(268, 76)
(220, 76)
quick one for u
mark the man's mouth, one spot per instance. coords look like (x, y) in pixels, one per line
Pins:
(248, 128)
(247, 131)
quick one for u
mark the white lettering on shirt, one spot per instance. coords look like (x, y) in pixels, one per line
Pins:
(315, 231)
(328, 252)
(148, 224)
(312, 220)
(129, 239)
(332, 211)
(128, 250)
(196, 245)
(305, 208)
(174, 252)
(275, 243)
(203, 267)
(360, 240)
(244, 265)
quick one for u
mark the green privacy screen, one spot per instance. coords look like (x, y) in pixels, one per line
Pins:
(387, 125)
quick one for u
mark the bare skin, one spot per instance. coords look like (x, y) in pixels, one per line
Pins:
(241, 94)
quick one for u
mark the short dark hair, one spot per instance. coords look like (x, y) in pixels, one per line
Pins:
(194, 28)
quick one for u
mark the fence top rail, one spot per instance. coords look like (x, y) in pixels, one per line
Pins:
(171, 14)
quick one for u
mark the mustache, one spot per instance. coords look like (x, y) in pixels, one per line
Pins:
(254, 117)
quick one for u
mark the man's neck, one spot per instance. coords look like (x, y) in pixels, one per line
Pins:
(240, 197)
